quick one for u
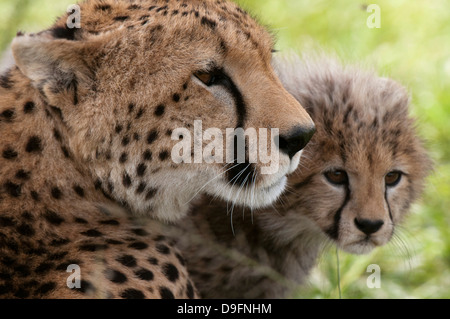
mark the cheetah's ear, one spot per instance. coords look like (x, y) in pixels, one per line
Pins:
(53, 64)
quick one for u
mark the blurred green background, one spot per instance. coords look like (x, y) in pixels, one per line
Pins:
(413, 47)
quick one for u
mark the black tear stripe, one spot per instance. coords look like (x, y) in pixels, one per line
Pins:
(241, 171)
(333, 231)
(389, 206)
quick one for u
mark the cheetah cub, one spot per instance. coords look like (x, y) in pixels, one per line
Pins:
(88, 122)
(358, 178)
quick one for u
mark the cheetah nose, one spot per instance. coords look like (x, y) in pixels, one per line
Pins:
(368, 226)
(296, 140)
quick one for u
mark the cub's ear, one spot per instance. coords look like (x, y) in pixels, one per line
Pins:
(54, 64)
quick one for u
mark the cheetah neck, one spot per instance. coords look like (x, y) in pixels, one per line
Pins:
(37, 165)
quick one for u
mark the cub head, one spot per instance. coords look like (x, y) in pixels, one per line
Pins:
(137, 87)
(365, 165)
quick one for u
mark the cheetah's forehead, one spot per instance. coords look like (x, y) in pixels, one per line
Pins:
(233, 25)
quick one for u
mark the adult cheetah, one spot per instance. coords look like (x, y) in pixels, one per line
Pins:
(358, 177)
(86, 122)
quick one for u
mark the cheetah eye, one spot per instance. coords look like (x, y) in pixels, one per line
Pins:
(393, 178)
(207, 78)
(337, 177)
(211, 78)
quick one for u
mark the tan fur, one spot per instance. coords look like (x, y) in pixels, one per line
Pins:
(85, 122)
(363, 128)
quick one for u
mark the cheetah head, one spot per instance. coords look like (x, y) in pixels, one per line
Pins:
(133, 76)
(364, 167)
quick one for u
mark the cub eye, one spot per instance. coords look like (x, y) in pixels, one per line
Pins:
(337, 177)
(393, 178)
(208, 78)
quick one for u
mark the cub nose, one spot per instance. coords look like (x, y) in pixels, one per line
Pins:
(368, 226)
(296, 140)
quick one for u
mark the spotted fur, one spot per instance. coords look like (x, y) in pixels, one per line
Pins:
(85, 122)
(364, 130)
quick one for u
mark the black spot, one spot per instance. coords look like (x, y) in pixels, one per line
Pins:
(53, 218)
(144, 17)
(5, 80)
(8, 114)
(171, 272)
(93, 247)
(209, 23)
(141, 188)
(118, 128)
(151, 193)
(130, 107)
(121, 18)
(111, 222)
(134, 7)
(25, 230)
(152, 136)
(153, 260)
(64, 33)
(144, 274)
(161, 8)
(139, 232)
(132, 294)
(175, 12)
(103, 7)
(23, 270)
(160, 238)
(127, 260)
(185, 86)
(190, 290)
(136, 137)
(9, 153)
(139, 245)
(163, 249)
(57, 111)
(125, 141)
(123, 158)
(160, 109)
(92, 233)
(27, 216)
(35, 196)
(180, 259)
(116, 276)
(147, 155)
(163, 155)
(6, 289)
(139, 113)
(114, 242)
(166, 293)
(13, 189)
(86, 287)
(176, 98)
(45, 288)
(7, 221)
(59, 242)
(44, 267)
(79, 190)
(141, 169)
(57, 256)
(21, 293)
(126, 180)
(79, 220)
(57, 135)
(24, 175)
(56, 193)
(33, 144)
(65, 152)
